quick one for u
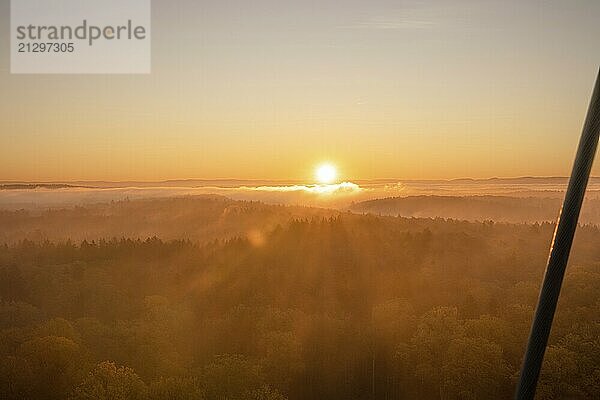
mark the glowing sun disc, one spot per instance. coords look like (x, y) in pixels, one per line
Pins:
(326, 173)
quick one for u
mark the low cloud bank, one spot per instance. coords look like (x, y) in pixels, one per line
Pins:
(341, 195)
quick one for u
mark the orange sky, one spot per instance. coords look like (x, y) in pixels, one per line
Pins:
(269, 89)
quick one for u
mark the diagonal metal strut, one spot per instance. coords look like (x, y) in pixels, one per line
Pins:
(560, 250)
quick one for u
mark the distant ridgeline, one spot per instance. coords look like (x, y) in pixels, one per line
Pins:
(26, 186)
(476, 208)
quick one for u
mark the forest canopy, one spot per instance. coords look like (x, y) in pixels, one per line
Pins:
(287, 303)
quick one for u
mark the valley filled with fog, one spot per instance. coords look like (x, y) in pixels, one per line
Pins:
(376, 290)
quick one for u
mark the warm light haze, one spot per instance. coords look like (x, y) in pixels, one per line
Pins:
(265, 90)
(299, 200)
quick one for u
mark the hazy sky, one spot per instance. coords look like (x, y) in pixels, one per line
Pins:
(270, 88)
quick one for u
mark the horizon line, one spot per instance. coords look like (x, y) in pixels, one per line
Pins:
(174, 180)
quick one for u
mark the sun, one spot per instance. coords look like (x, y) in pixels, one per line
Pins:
(326, 173)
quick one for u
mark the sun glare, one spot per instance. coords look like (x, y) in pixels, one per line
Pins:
(326, 174)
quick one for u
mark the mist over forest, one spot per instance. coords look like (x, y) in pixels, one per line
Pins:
(205, 297)
(477, 208)
(344, 195)
(299, 200)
